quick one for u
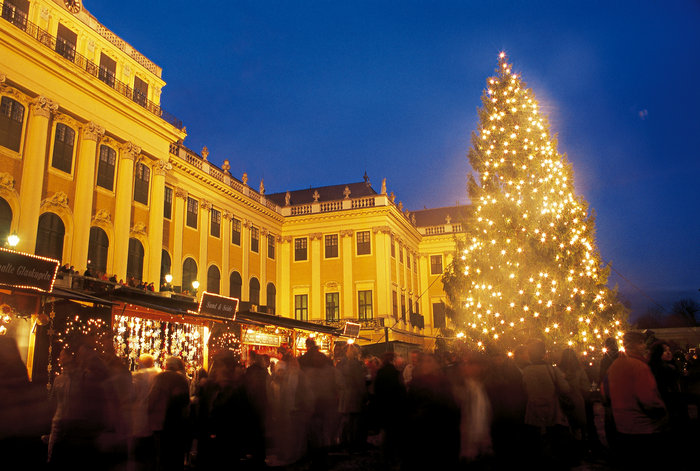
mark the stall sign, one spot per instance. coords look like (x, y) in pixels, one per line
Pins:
(351, 329)
(218, 306)
(27, 271)
(263, 339)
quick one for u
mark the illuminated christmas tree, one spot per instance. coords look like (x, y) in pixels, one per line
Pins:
(528, 266)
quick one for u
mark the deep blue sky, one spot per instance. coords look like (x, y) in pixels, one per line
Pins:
(312, 93)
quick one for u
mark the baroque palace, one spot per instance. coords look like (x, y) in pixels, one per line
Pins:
(94, 173)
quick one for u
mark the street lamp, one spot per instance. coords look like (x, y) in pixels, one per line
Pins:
(168, 278)
(195, 285)
(13, 240)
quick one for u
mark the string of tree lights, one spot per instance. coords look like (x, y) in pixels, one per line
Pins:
(528, 266)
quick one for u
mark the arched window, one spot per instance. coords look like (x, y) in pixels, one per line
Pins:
(271, 297)
(5, 221)
(189, 274)
(254, 295)
(235, 285)
(165, 265)
(97, 250)
(49, 236)
(134, 261)
(213, 280)
(11, 119)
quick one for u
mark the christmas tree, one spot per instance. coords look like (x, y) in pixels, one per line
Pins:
(528, 266)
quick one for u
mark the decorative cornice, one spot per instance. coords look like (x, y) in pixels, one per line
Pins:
(381, 229)
(129, 150)
(315, 235)
(181, 193)
(162, 167)
(42, 106)
(93, 131)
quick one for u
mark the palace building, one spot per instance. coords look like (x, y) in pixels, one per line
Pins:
(94, 173)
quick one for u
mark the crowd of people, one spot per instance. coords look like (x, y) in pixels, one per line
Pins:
(464, 409)
(131, 281)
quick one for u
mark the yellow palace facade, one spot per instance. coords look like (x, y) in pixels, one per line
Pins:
(94, 173)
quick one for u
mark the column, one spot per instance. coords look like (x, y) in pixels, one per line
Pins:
(34, 162)
(122, 208)
(204, 209)
(155, 220)
(245, 255)
(262, 245)
(284, 271)
(348, 291)
(381, 254)
(178, 230)
(315, 301)
(91, 134)
(225, 253)
(423, 283)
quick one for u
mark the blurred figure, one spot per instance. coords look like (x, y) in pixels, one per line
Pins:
(506, 391)
(546, 423)
(256, 382)
(143, 445)
(23, 411)
(168, 414)
(521, 357)
(580, 392)
(352, 398)
(410, 368)
(639, 412)
(611, 352)
(432, 435)
(390, 397)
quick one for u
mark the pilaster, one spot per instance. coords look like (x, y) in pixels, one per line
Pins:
(155, 219)
(122, 211)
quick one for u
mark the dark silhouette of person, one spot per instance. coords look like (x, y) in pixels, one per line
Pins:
(390, 397)
(256, 382)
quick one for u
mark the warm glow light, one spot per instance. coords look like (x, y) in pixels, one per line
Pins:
(195, 284)
(168, 278)
(13, 240)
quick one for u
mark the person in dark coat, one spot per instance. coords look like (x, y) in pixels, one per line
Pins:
(390, 396)
(256, 382)
(168, 413)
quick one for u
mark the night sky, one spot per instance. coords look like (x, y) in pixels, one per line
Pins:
(313, 93)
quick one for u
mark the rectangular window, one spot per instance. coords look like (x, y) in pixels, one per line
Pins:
(436, 264)
(331, 243)
(415, 264)
(363, 243)
(270, 246)
(300, 249)
(215, 220)
(301, 307)
(364, 305)
(63, 142)
(11, 120)
(403, 308)
(16, 12)
(140, 91)
(108, 69)
(192, 211)
(393, 247)
(105, 167)
(65, 42)
(394, 304)
(332, 306)
(254, 239)
(400, 254)
(142, 179)
(408, 259)
(235, 231)
(168, 203)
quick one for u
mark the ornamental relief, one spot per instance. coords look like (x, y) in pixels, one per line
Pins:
(57, 200)
(139, 229)
(7, 182)
(162, 167)
(102, 216)
(129, 150)
(346, 233)
(42, 106)
(93, 131)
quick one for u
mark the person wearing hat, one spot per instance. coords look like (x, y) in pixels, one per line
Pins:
(638, 410)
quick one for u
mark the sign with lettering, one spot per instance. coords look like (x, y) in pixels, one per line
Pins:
(218, 306)
(351, 329)
(27, 271)
(262, 338)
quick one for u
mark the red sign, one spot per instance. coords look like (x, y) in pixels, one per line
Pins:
(218, 306)
(23, 270)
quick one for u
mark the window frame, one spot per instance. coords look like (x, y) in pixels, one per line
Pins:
(106, 166)
(434, 265)
(363, 306)
(63, 159)
(363, 244)
(332, 247)
(301, 309)
(192, 215)
(271, 246)
(254, 239)
(168, 203)
(142, 183)
(215, 223)
(236, 229)
(298, 250)
(333, 304)
(13, 135)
